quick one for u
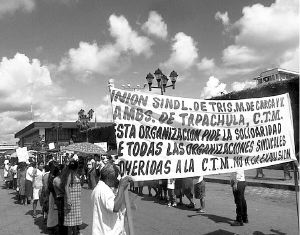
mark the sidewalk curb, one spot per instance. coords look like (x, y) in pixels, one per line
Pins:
(255, 184)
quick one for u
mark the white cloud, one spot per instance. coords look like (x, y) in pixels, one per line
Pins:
(155, 25)
(111, 58)
(238, 86)
(206, 65)
(8, 126)
(213, 88)
(291, 60)
(27, 85)
(103, 112)
(277, 25)
(90, 57)
(11, 6)
(19, 78)
(127, 38)
(184, 52)
(223, 17)
(241, 55)
(267, 36)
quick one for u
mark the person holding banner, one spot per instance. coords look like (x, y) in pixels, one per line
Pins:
(238, 184)
(199, 190)
(108, 207)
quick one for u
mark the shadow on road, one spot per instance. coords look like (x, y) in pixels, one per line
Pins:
(220, 232)
(30, 212)
(265, 178)
(15, 197)
(215, 218)
(41, 224)
(274, 232)
(165, 202)
(83, 226)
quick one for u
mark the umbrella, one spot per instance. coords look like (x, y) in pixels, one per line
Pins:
(85, 148)
(15, 155)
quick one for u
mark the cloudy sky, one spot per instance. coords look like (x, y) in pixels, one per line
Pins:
(56, 56)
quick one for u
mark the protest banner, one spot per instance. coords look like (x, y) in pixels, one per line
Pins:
(22, 154)
(162, 137)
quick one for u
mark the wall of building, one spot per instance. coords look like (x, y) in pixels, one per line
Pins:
(26, 141)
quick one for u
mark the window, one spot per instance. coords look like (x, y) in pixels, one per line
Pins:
(266, 79)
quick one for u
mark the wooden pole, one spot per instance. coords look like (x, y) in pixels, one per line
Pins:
(296, 179)
(126, 194)
(129, 212)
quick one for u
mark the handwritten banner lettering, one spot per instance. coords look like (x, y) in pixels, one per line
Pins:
(162, 137)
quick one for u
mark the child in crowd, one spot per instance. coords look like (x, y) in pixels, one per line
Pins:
(171, 193)
(200, 193)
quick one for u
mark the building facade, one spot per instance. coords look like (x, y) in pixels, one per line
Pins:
(6, 147)
(275, 74)
(40, 134)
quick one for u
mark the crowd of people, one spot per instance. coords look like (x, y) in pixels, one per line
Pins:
(57, 188)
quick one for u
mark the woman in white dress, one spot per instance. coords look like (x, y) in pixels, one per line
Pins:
(37, 185)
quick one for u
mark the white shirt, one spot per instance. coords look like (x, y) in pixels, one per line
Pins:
(6, 169)
(38, 179)
(238, 175)
(198, 180)
(105, 221)
(171, 184)
(15, 171)
(29, 173)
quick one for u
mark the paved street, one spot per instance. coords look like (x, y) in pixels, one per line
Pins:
(271, 211)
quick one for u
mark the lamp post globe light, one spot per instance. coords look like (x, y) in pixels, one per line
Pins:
(162, 80)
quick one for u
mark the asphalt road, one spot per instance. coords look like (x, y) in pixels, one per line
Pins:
(271, 211)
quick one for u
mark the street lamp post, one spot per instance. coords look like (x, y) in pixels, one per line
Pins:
(162, 80)
(57, 126)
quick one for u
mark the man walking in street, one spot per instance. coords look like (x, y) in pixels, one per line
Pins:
(238, 184)
(109, 207)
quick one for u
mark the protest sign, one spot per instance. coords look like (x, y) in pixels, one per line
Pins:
(102, 145)
(51, 146)
(162, 137)
(22, 154)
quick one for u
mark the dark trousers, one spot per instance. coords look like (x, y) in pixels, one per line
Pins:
(14, 183)
(240, 201)
(60, 210)
(171, 195)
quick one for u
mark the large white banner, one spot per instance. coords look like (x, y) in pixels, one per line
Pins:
(161, 137)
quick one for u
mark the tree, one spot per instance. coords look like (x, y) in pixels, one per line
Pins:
(83, 122)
